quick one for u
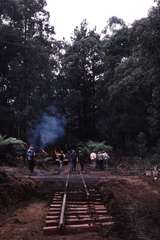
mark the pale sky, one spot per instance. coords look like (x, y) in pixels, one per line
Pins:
(67, 14)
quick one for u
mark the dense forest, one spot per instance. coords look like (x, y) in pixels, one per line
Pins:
(106, 85)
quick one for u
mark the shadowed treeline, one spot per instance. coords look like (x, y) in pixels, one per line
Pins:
(106, 85)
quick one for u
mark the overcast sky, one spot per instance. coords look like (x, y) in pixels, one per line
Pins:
(66, 14)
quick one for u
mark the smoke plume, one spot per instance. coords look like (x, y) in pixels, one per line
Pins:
(49, 127)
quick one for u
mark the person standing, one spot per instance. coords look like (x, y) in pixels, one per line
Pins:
(93, 159)
(81, 160)
(30, 158)
(105, 159)
(61, 158)
(73, 159)
(100, 160)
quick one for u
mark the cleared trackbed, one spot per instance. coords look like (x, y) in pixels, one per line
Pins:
(76, 210)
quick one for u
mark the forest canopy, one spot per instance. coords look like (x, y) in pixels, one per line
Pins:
(107, 85)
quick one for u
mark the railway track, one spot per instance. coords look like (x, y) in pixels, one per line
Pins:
(77, 209)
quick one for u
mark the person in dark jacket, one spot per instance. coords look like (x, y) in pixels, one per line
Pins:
(73, 159)
(81, 160)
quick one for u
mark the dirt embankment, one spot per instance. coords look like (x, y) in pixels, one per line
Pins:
(134, 202)
(14, 190)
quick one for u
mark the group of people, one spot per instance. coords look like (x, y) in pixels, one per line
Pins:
(100, 159)
(72, 156)
(74, 159)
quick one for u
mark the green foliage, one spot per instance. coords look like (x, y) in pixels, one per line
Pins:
(10, 148)
(84, 151)
(98, 146)
(107, 86)
(7, 141)
(82, 65)
(85, 148)
(129, 94)
(28, 63)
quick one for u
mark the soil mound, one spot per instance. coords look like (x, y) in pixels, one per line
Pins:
(134, 202)
(14, 190)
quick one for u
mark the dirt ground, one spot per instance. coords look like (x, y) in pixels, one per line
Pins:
(133, 201)
(26, 223)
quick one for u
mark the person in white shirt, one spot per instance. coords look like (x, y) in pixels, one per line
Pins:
(105, 159)
(93, 156)
(100, 161)
(30, 158)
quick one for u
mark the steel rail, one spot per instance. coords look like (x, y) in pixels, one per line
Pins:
(85, 186)
(85, 214)
(64, 202)
(90, 206)
(61, 221)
